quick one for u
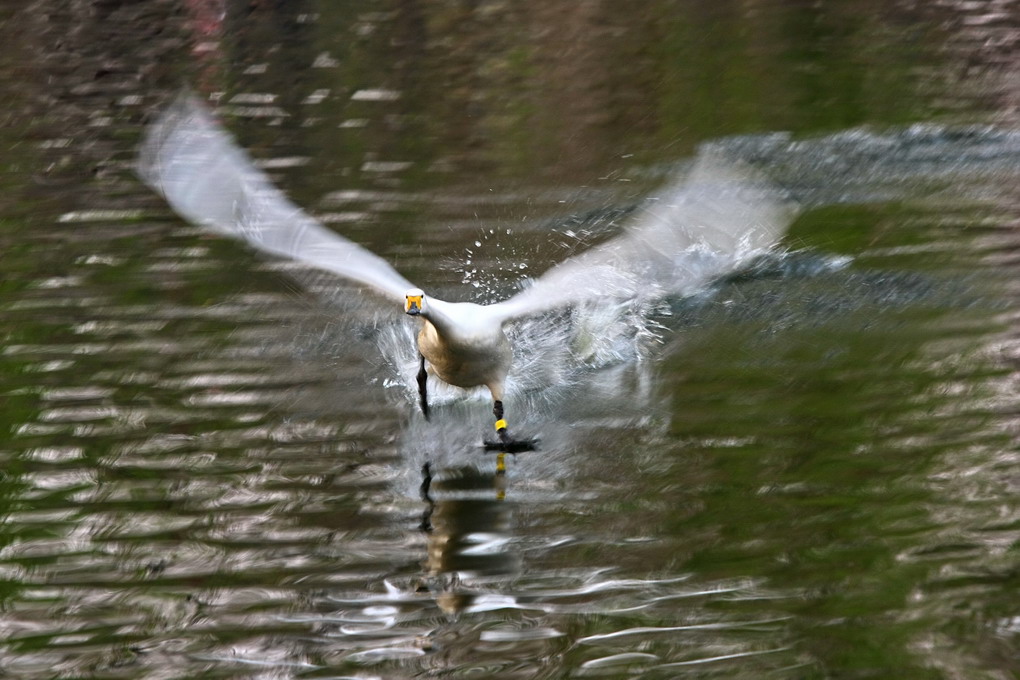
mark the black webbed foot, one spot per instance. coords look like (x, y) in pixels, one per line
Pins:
(505, 443)
(510, 445)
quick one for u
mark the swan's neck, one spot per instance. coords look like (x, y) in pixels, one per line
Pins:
(463, 322)
(436, 314)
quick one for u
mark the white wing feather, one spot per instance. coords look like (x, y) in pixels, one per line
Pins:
(195, 164)
(715, 219)
(712, 221)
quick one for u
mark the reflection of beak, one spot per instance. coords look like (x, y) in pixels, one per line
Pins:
(413, 305)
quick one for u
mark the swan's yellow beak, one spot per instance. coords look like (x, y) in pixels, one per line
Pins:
(412, 304)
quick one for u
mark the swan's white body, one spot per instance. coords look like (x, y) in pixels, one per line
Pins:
(465, 345)
(711, 222)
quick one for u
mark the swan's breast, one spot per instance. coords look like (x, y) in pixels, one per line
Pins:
(467, 359)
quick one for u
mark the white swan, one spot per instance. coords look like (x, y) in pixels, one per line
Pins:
(718, 217)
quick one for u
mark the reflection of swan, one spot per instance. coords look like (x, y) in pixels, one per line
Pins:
(714, 220)
(466, 523)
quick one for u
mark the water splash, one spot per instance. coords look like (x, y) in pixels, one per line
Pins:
(864, 165)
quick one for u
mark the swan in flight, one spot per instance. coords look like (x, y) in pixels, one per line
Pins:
(715, 219)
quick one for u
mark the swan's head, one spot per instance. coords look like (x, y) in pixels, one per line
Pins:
(414, 301)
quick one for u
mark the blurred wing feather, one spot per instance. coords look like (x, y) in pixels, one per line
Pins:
(195, 164)
(710, 222)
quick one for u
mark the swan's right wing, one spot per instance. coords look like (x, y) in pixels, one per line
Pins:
(195, 164)
(711, 222)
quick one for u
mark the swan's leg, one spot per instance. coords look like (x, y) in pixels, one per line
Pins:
(497, 410)
(505, 443)
(423, 396)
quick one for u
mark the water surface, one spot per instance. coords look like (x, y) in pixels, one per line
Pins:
(211, 461)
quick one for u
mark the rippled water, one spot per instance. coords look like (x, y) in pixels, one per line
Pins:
(211, 464)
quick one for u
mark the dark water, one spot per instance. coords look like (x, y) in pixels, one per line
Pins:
(211, 462)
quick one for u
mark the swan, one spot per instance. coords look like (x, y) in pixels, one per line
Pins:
(711, 221)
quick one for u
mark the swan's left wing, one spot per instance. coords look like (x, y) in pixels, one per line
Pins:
(195, 164)
(713, 220)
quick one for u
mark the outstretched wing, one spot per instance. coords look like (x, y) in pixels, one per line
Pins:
(195, 164)
(712, 221)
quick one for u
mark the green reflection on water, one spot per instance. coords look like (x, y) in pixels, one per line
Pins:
(815, 422)
(517, 92)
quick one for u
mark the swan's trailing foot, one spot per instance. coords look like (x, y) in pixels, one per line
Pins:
(423, 395)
